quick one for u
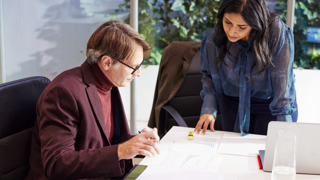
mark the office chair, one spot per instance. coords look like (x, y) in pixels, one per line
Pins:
(184, 108)
(18, 101)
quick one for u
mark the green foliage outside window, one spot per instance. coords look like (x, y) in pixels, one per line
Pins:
(307, 14)
(164, 21)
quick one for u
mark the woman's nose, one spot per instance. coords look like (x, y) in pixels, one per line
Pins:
(232, 31)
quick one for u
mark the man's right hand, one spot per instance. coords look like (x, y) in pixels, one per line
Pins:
(140, 144)
(205, 120)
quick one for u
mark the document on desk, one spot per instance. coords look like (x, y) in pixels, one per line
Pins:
(202, 144)
(242, 145)
(156, 173)
(185, 161)
(175, 165)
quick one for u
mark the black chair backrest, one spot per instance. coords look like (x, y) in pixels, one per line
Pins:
(18, 101)
(187, 101)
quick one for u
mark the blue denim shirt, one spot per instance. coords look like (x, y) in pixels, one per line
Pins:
(276, 82)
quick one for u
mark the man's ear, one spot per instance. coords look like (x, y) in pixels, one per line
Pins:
(106, 62)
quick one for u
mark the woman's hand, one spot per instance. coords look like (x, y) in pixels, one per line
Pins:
(205, 120)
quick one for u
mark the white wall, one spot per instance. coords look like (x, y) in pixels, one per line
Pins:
(144, 90)
(308, 95)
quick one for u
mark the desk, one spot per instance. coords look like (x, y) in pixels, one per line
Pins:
(242, 167)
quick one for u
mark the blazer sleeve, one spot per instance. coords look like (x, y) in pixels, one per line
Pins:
(58, 126)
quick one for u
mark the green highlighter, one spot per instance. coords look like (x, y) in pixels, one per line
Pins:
(135, 172)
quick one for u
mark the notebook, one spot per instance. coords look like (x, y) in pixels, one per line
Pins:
(308, 146)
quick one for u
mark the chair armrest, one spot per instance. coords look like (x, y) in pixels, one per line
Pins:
(176, 116)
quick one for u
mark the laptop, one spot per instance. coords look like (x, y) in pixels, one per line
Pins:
(308, 146)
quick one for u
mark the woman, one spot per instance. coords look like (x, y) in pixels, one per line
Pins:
(247, 64)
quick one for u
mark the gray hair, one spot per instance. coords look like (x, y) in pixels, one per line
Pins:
(93, 56)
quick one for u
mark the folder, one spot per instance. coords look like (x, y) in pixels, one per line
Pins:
(135, 172)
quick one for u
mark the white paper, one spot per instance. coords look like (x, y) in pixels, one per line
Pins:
(170, 165)
(201, 144)
(242, 145)
(160, 173)
(186, 161)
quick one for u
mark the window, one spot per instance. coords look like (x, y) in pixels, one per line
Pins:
(41, 37)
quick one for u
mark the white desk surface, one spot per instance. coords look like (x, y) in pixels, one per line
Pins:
(242, 167)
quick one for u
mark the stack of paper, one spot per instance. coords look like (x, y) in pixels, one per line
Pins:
(242, 145)
(156, 173)
(186, 159)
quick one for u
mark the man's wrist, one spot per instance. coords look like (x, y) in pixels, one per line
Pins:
(119, 152)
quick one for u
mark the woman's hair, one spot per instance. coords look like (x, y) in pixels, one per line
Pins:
(114, 39)
(257, 15)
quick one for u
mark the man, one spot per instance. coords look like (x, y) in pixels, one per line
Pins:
(81, 130)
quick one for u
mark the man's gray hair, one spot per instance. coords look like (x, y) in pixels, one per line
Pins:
(93, 56)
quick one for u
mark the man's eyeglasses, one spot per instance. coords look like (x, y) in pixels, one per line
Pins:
(134, 69)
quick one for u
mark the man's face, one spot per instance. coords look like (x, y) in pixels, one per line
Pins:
(119, 74)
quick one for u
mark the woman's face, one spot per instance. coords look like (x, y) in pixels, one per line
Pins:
(235, 27)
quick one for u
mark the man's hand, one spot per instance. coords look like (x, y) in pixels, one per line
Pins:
(205, 120)
(140, 144)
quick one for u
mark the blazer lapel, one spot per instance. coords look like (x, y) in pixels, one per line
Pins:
(94, 97)
(124, 129)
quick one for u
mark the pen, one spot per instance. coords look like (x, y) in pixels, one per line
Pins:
(151, 138)
(260, 165)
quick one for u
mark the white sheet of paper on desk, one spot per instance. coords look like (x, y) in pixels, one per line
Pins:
(159, 173)
(242, 145)
(186, 161)
(202, 144)
(174, 165)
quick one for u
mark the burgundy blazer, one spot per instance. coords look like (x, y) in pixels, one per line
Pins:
(69, 139)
